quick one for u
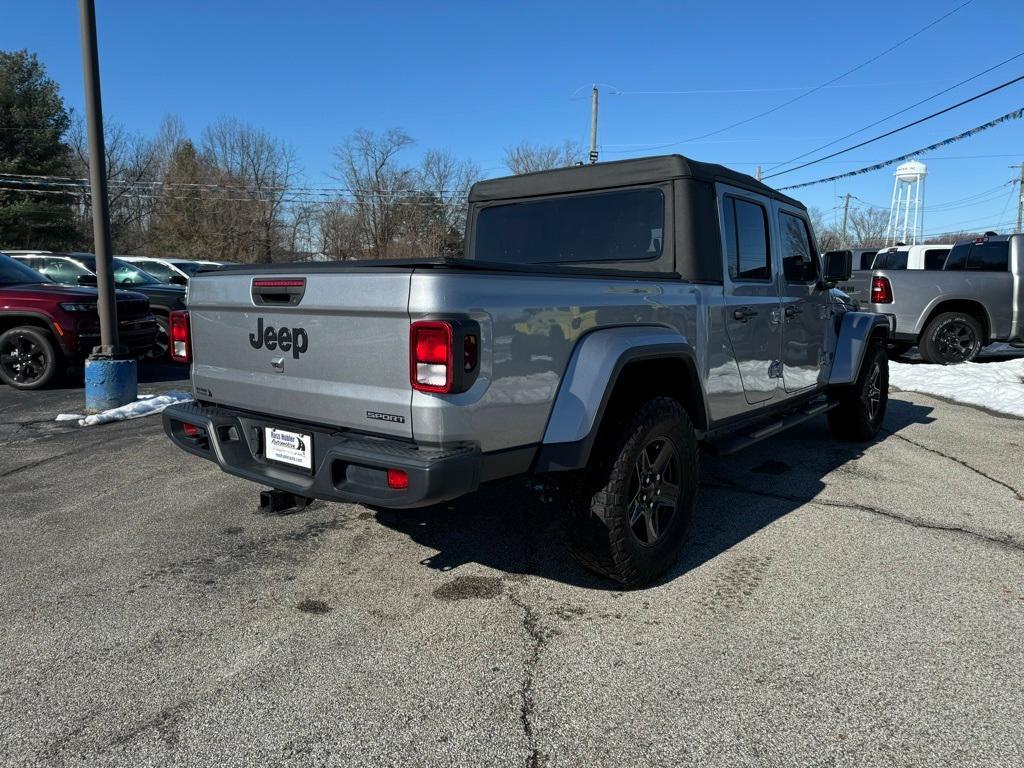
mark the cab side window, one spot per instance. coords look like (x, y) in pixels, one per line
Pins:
(984, 256)
(799, 264)
(746, 240)
(160, 271)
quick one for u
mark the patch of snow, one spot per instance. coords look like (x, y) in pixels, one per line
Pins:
(146, 405)
(997, 386)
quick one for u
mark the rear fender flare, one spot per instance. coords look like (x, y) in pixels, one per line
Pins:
(855, 333)
(588, 384)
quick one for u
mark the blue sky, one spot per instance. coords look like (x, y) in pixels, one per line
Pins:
(476, 77)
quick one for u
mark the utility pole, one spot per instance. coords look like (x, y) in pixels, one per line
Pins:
(846, 216)
(593, 126)
(1020, 201)
(110, 380)
(757, 173)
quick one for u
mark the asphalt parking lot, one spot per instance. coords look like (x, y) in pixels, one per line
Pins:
(836, 606)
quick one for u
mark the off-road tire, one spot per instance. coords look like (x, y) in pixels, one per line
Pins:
(934, 346)
(596, 507)
(855, 419)
(44, 360)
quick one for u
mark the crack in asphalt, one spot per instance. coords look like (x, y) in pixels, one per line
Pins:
(33, 465)
(1017, 494)
(527, 706)
(728, 485)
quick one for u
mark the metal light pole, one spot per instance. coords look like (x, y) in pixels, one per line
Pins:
(110, 380)
(593, 125)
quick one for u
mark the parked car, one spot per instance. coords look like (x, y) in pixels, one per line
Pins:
(952, 314)
(668, 303)
(80, 269)
(170, 271)
(47, 328)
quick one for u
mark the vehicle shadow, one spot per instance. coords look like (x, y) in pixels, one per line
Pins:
(161, 372)
(505, 526)
(995, 353)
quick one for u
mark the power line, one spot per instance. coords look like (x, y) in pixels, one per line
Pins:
(950, 108)
(777, 89)
(814, 90)
(900, 112)
(1015, 115)
(70, 181)
(84, 192)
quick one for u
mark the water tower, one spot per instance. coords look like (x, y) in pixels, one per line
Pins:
(906, 213)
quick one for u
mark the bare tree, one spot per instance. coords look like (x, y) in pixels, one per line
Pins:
(368, 164)
(826, 235)
(339, 230)
(131, 171)
(527, 158)
(867, 227)
(438, 212)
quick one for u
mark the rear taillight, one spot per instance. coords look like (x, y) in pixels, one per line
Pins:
(444, 355)
(881, 290)
(191, 430)
(180, 343)
(431, 366)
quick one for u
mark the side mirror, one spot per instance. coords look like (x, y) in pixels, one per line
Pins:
(838, 266)
(87, 280)
(178, 280)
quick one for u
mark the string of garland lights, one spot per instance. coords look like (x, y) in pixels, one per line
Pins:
(1014, 115)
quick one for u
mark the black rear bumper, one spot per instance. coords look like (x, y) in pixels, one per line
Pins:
(346, 466)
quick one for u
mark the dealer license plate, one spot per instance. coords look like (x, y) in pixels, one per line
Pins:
(288, 447)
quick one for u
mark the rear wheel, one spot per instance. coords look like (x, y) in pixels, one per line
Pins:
(28, 358)
(628, 514)
(950, 338)
(862, 406)
(161, 342)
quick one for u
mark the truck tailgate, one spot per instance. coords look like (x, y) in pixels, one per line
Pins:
(316, 346)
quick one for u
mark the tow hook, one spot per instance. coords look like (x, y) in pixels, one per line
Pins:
(275, 502)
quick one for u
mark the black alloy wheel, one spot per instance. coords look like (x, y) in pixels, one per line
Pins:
(956, 342)
(27, 358)
(654, 491)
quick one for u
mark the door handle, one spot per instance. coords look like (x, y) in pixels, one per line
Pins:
(744, 313)
(793, 311)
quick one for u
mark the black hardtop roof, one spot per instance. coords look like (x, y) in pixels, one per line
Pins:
(618, 173)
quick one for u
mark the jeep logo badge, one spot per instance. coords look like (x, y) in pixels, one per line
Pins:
(294, 340)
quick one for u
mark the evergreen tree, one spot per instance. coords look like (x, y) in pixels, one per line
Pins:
(33, 122)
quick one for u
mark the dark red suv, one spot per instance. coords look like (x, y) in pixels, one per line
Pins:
(47, 329)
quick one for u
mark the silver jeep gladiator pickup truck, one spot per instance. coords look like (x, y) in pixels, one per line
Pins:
(607, 321)
(951, 314)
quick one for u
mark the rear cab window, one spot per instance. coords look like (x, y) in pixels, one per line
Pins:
(625, 225)
(935, 258)
(891, 260)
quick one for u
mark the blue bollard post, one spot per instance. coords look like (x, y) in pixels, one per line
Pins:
(110, 384)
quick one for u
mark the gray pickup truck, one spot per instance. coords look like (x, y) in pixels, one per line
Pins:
(606, 322)
(951, 314)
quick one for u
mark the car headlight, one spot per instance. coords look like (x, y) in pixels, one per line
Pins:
(70, 307)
